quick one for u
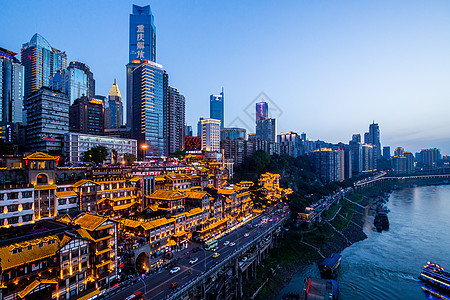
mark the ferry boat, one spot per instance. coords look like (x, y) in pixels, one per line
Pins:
(320, 289)
(330, 265)
(435, 275)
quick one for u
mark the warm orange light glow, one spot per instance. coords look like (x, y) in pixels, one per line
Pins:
(144, 146)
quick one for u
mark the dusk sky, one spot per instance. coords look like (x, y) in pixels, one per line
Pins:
(329, 67)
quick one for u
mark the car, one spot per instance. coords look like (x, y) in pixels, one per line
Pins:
(193, 260)
(232, 244)
(175, 270)
(173, 285)
(215, 249)
(246, 235)
(215, 255)
(226, 243)
(244, 259)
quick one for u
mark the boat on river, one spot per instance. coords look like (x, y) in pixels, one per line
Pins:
(330, 265)
(320, 289)
(434, 275)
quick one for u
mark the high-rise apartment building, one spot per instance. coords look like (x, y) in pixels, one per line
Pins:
(368, 158)
(357, 155)
(11, 88)
(175, 120)
(142, 34)
(47, 120)
(266, 130)
(399, 151)
(430, 157)
(326, 164)
(290, 144)
(75, 81)
(114, 108)
(86, 116)
(216, 107)
(40, 61)
(149, 104)
(386, 152)
(210, 135)
(262, 111)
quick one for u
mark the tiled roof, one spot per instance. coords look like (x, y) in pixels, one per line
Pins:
(130, 223)
(195, 211)
(166, 195)
(41, 156)
(225, 191)
(157, 223)
(196, 195)
(45, 187)
(65, 194)
(81, 182)
(88, 221)
(123, 206)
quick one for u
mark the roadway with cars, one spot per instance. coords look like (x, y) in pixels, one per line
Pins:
(158, 285)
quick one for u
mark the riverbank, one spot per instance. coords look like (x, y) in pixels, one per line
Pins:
(341, 227)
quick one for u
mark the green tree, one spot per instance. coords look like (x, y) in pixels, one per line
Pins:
(96, 155)
(129, 158)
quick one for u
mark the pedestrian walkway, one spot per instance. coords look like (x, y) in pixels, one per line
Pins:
(354, 202)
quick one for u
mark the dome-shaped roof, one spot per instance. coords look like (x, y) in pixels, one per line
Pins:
(39, 41)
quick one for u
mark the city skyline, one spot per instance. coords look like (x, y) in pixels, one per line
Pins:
(330, 60)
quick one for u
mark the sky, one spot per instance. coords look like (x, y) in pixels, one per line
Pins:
(326, 68)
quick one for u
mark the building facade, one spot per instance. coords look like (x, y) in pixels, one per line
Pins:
(326, 164)
(75, 144)
(142, 34)
(266, 130)
(150, 84)
(86, 116)
(114, 108)
(47, 120)
(262, 111)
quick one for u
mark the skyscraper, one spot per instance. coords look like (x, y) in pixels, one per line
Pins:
(199, 127)
(216, 107)
(210, 135)
(266, 130)
(175, 120)
(142, 34)
(386, 152)
(11, 87)
(40, 61)
(75, 81)
(114, 110)
(374, 139)
(47, 120)
(150, 108)
(262, 111)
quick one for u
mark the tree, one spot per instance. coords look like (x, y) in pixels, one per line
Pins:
(6, 148)
(96, 155)
(129, 158)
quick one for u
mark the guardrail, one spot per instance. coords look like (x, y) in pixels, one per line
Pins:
(185, 290)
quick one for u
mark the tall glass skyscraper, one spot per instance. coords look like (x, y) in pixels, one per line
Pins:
(142, 34)
(216, 107)
(75, 81)
(150, 90)
(262, 111)
(11, 87)
(114, 111)
(41, 61)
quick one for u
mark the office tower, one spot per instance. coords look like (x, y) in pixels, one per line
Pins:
(368, 157)
(262, 111)
(430, 157)
(175, 120)
(216, 107)
(356, 138)
(188, 130)
(210, 135)
(266, 130)
(75, 81)
(47, 120)
(11, 88)
(114, 108)
(386, 152)
(150, 108)
(303, 136)
(374, 139)
(399, 151)
(233, 149)
(40, 61)
(232, 133)
(325, 164)
(366, 138)
(142, 34)
(199, 127)
(86, 116)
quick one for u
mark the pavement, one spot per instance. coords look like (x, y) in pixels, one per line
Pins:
(157, 285)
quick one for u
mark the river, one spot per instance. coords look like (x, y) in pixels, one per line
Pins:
(386, 265)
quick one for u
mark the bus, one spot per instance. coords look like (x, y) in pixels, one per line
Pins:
(136, 296)
(211, 244)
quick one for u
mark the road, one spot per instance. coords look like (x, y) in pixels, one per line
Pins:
(158, 284)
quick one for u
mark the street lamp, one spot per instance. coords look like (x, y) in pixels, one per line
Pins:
(145, 285)
(144, 150)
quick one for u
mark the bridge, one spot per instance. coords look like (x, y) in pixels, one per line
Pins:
(224, 280)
